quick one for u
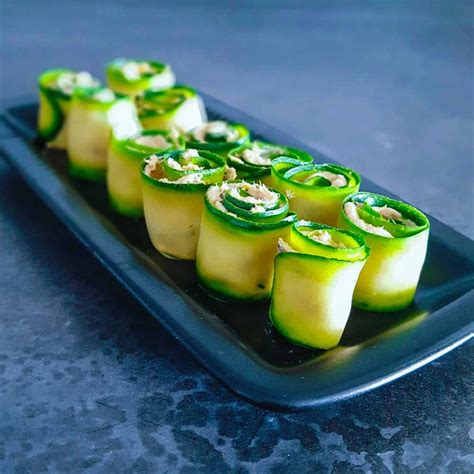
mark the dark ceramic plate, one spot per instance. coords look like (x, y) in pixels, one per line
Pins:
(235, 342)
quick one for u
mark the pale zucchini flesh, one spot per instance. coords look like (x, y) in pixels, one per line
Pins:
(313, 201)
(173, 220)
(312, 298)
(55, 103)
(124, 184)
(88, 136)
(174, 184)
(390, 277)
(314, 282)
(235, 263)
(238, 240)
(90, 125)
(124, 168)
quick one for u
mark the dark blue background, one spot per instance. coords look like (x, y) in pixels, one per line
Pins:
(89, 381)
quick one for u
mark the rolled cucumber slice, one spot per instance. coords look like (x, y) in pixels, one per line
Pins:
(253, 160)
(174, 184)
(240, 227)
(124, 166)
(55, 91)
(133, 76)
(315, 275)
(315, 191)
(95, 112)
(217, 136)
(176, 107)
(397, 234)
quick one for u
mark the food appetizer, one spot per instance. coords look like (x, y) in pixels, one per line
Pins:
(253, 160)
(177, 107)
(95, 111)
(316, 271)
(217, 136)
(124, 166)
(174, 184)
(315, 191)
(397, 235)
(259, 218)
(240, 228)
(55, 91)
(133, 76)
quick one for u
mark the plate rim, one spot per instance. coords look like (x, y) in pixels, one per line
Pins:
(261, 388)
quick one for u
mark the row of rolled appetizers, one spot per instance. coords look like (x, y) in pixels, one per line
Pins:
(259, 218)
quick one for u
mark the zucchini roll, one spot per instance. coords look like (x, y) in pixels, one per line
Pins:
(253, 160)
(55, 91)
(133, 76)
(95, 111)
(177, 107)
(240, 228)
(174, 185)
(315, 275)
(217, 136)
(397, 234)
(124, 166)
(315, 191)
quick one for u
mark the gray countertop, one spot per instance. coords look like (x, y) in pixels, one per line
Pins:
(89, 381)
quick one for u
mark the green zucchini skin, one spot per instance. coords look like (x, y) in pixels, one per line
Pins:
(124, 169)
(90, 123)
(220, 147)
(172, 209)
(177, 107)
(312, 201)
(54, 106)
(249, 171)
(236, 251)
(390, 277)
(161, 78)
(313, 286)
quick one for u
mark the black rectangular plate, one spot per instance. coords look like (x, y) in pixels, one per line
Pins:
(235, 341)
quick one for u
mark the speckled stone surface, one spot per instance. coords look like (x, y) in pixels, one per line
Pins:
(90, 382)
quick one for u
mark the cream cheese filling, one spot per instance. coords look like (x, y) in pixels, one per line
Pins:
(183, 167)
(337, 180)
(351, 212)
(284, 246)
(229, 173)
(260, 156)
(259, 195)
(154, 170)
(68, 81)
(214, 196)
(153, 167)
(323, 237)
(104, 95)
(190, 153)
(256, 156)
(393, 214)
(133, 70)
(187, 156)
(153, 141)
(215, 127)
(193, 178)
